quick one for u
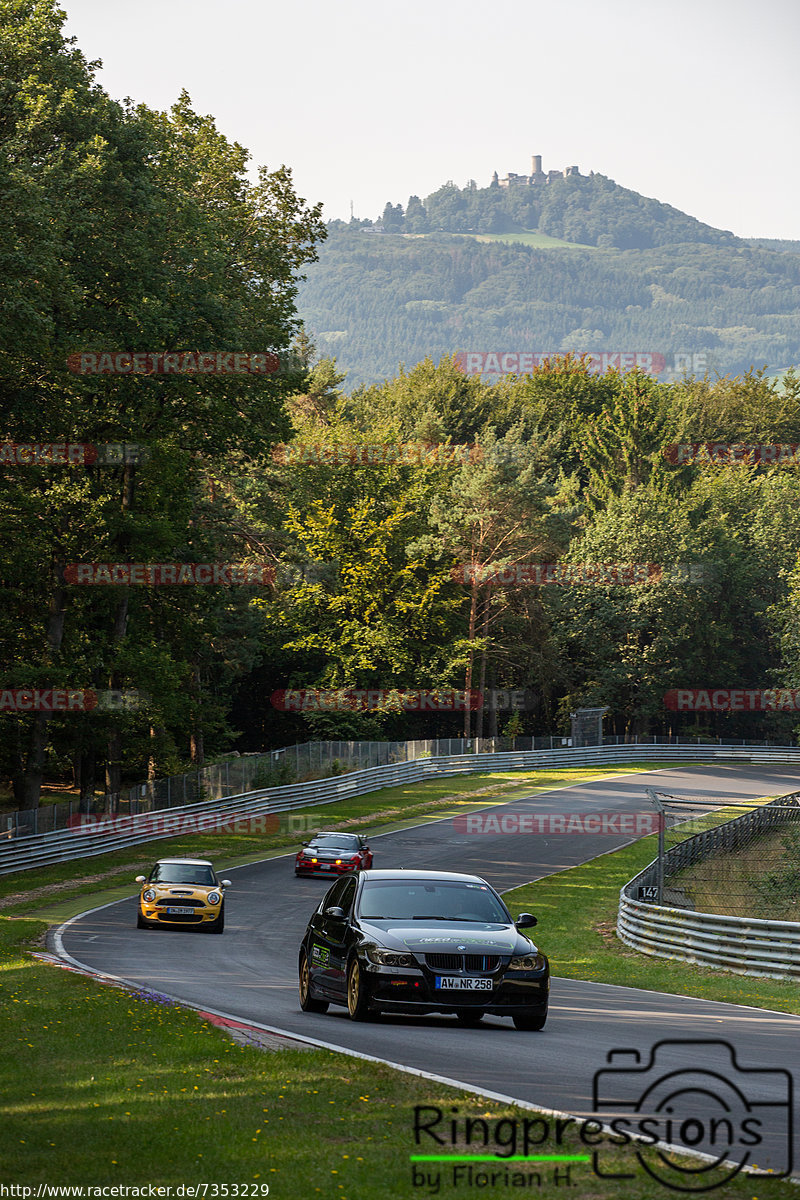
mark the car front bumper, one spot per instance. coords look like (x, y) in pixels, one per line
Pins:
(158, 915)
(397, 990)
(327, 871)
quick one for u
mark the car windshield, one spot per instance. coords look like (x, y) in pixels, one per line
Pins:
(422, 900)
(183, 873)
(345, 841)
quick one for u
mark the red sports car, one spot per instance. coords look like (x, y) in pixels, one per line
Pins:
(333, 854)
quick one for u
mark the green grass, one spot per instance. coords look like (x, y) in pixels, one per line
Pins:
(577, 912)
(53, 891)
(104, 1087)
(49, 795)
(529, 237)
(758, 880)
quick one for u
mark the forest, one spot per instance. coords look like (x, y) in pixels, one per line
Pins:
(590, 210)
(377, 301)
(236, 535)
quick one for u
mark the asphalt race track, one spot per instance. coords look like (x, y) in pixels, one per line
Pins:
(250, 972)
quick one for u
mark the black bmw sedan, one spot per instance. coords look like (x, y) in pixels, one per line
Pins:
(422, 942)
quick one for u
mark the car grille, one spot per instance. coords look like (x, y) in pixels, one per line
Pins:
(463, 962)
(180, 902)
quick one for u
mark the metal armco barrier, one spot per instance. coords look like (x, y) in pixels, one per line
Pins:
(22, 853)
(745, 945)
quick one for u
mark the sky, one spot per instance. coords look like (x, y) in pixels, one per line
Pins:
(693, 102)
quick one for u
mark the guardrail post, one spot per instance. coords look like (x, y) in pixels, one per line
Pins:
(655, 800)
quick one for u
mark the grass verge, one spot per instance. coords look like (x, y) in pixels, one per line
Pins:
(577, 912)
(529, 237)
(104, 1088)
(760, 879)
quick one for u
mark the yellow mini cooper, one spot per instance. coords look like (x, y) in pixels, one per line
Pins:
(182, 891)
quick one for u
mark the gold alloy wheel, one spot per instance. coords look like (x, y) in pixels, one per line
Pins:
(354, 988)
(308, 1003)
(357, 996)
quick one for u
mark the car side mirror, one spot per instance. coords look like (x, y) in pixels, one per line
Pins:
(225, 882)
(304, 843)
(141, 879)
(525, 921)
(335, 911)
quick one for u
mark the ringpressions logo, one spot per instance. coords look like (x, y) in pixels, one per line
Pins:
(694, 1095)
(686, 1115)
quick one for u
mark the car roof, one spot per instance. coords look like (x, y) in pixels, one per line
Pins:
(335, 833)
(183, 862)
(425, 876)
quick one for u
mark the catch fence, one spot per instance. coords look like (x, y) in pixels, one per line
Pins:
(724, 890)
(297, 764)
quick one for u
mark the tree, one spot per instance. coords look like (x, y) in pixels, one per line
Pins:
(416, 220)
(495, 512)
(392, 218)
(156, 238)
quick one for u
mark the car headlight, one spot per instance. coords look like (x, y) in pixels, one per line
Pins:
(148, 896)
(526, 962)
(390, 958)
(213, 898)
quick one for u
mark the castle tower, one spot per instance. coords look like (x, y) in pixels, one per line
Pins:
(536, 164)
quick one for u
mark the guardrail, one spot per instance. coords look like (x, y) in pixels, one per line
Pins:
(23, 853)
(241, 773)
(745, 945)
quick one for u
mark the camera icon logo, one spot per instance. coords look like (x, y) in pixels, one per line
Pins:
(692, 1096)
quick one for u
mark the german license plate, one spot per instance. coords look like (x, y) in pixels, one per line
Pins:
(464, 983)
(181, 912)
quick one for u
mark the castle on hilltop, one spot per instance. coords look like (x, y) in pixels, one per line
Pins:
(536, 176)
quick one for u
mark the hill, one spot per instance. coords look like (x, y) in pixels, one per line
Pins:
(550, 263)
(376, 300)
(590, 210)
